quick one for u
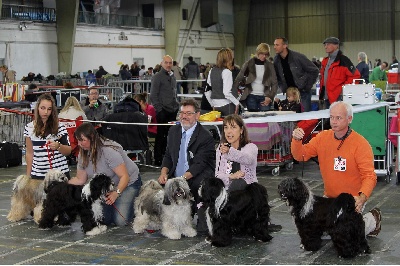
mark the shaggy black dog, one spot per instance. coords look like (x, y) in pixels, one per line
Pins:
(66, 201)
(309, 211)
(239, 212)
(347, 227)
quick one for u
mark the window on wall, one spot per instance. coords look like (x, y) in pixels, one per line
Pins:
(184, 14)
(148, 10)
(139, 61)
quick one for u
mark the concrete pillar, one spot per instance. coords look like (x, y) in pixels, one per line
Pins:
(67, 14)
(173, 17)
(241, 10)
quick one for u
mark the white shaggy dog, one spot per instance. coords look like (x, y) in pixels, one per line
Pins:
(168, 209)
(28, 195)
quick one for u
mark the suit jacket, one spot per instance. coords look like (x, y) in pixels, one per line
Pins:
(200, 152)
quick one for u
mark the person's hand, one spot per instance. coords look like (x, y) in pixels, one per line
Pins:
(360, 201)
(224, 148)
(92, 103)
(237, 175)
(266, 102)
(298, 133)
(236, 109)
(53, 144)
(111, 197)
(162, 179)
(277, 100)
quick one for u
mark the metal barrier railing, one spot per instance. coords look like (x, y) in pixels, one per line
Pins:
(21, 12)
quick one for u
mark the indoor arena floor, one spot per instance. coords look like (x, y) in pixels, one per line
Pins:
(24, 243)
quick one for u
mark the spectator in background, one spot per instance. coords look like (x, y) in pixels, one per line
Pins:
(379, 73)
(258, 75)
(336, 71)
(395, 63)
(134, 70)
(291, 103)
(124, 73)
(142, 71)
(8, 74)
(93, 107)
(192, 71)
(149, 73)
(178, 76)
(163, 98)
(157, 68)
(72, 109)
(316, 62)
(101, 72)
(363, 67)
(223, 97)
(141, 98)
(99, 75)
(378, 62)
(294, 69)
(90, 78)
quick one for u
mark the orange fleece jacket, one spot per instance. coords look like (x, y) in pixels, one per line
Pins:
(359, 175)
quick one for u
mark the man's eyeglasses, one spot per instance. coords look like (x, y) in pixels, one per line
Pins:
(186, 113)
(93, 93)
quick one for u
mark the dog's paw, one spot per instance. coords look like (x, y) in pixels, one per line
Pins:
(189, 232)
(97, 230)
(171, 235)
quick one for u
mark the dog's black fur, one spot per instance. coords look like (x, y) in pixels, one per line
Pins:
(347, 228)
(66, 201)
(241, 212)
(309, 211)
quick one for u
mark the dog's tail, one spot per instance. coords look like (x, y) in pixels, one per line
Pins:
(20, 182)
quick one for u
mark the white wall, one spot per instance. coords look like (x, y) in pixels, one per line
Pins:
(31, 50)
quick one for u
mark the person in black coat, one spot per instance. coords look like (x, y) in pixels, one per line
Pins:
(198, 157)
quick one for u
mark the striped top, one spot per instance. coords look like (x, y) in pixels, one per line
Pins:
(43, 156)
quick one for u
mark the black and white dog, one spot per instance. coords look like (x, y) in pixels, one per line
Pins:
(65, 201)
(309, 211)
(347, 228)
(242, 211)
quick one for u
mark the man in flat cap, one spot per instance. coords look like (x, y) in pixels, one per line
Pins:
(336, 70)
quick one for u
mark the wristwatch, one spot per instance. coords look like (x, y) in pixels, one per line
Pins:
(118, 192)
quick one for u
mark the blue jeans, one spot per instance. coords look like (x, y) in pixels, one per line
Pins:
(124, 204)
(253, 103)
(305, 100)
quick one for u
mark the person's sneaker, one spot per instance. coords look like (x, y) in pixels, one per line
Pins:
(376, 212)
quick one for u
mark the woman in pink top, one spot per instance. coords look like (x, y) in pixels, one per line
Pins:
(149, 110)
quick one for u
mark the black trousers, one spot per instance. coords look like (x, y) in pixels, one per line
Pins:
(160, 144)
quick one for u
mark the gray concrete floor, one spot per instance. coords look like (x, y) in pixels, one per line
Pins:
(24, 243)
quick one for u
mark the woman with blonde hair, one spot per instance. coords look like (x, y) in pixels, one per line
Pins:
(72, 109)
(222, 97)
(259, 77)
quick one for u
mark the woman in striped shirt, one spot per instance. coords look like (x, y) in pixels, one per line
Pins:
(47, 141)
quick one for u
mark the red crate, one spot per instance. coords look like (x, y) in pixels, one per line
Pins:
(393, 78)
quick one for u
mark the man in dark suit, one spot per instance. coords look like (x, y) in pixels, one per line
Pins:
(190, 154)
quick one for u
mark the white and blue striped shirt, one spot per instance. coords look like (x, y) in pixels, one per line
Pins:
(42, 156)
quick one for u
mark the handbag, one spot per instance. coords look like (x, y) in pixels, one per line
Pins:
(245, 93)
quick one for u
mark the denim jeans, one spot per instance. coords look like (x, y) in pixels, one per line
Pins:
(124, 204)
(253, 103)
(305, 100)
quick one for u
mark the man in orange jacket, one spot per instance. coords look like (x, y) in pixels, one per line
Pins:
(346, 161)
(336, 71)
